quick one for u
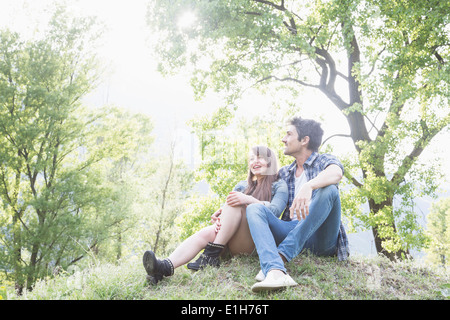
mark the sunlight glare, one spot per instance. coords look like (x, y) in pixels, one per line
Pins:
(187, 20)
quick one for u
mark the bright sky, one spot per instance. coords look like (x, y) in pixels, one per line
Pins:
(134, 83)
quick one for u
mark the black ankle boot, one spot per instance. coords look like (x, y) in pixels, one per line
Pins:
(156, 269)
(209, 257)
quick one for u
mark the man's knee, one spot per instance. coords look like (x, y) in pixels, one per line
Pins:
(328, 191)
(255, 209)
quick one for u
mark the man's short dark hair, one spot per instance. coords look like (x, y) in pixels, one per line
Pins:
(310, 128)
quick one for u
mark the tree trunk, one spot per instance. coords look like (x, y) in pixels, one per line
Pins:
(359, 132)
(164, 191)
(31, 270)
(17, 258)
(119, 246)
(395, 255)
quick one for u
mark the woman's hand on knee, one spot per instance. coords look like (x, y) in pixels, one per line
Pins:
(216, 215)
(235, 199)
(217, 225)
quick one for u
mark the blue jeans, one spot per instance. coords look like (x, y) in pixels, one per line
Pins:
(318, 232)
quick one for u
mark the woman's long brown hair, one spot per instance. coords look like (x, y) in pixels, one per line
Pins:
(262, 189)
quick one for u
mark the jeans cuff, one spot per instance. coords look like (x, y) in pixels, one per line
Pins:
(283, 269)
(284, 255)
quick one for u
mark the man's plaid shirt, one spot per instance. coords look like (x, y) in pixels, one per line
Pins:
(315, 164)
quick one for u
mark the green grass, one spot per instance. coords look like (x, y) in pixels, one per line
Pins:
(360, 278)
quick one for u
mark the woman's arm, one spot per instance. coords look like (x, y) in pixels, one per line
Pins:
(236, 198)
(276, 205)
(279, 199)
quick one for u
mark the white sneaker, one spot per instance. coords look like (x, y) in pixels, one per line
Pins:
(273, 281)
(260, 276)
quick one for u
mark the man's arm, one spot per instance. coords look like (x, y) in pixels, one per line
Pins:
(300, 206)
(331, 175)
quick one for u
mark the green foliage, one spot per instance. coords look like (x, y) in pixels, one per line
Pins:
(197, 214)
(120, 169)
(65, 175)
(48, 183)
(439, 232)
(163, 200)
(445, 291)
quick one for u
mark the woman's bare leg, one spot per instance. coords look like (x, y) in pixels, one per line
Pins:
(190, 247)
(233, 232)
(242, 241)
(230, 219)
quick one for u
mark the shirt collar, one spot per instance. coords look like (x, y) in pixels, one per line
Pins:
(311, 158)
(292, 166)
(308, 162)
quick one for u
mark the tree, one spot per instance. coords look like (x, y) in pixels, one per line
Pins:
(438, 222)
(122, 171)
(50, 192)
(164, 186)
(383, 64)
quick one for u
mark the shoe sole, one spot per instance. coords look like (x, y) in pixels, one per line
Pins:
(264, 286)
(193, 268)
(149, 261)
(258, 288)
(151, 280)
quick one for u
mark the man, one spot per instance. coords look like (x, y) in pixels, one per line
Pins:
(312, 219)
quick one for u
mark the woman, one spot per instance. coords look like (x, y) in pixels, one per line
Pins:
(230, 224)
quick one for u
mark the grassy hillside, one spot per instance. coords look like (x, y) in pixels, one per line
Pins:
(359, 278)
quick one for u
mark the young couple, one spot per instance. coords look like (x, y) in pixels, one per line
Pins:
(280, 213)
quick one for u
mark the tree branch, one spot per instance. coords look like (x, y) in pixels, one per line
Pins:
(355, 182)
(288, 79)
(336, 135)
(375, 62)
(419, 146)
(82, 256)
(328, 78)
(278, 7)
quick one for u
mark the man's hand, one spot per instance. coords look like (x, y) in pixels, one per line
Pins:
(300, 205)
(236, 198)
